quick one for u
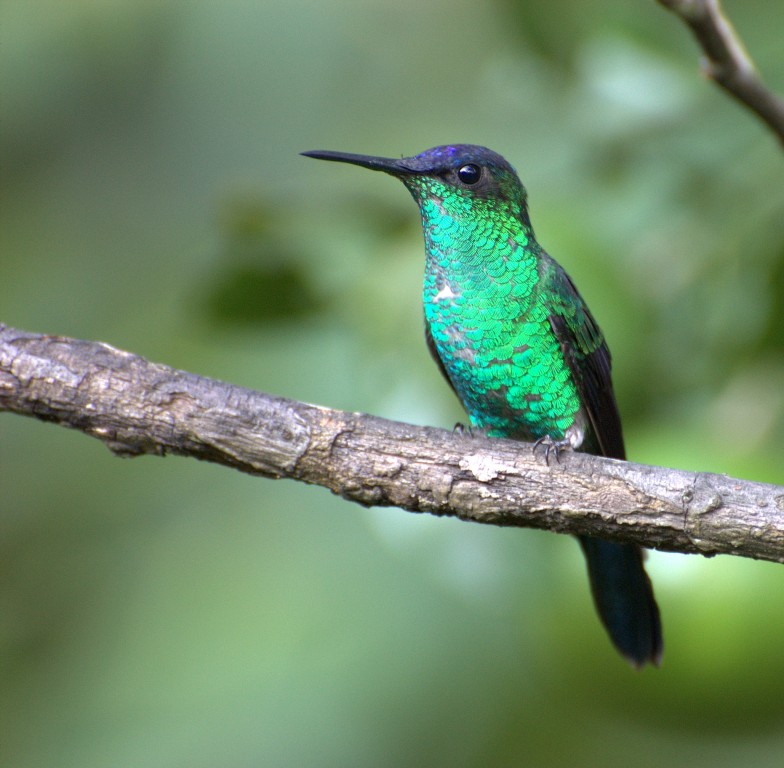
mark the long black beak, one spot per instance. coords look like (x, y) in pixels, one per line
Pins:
(386, 164)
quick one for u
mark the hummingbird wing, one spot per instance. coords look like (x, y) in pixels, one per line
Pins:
(588, 358)
(621, 589)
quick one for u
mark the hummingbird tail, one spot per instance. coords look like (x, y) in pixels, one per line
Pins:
(623, 596)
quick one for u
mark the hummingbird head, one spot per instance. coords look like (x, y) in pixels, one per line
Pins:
(458, 177)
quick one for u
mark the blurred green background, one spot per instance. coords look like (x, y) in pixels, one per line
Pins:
(171, 613)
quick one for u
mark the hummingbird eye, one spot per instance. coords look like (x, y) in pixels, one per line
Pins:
(469, 174)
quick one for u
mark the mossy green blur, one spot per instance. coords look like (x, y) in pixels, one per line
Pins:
(162, 612)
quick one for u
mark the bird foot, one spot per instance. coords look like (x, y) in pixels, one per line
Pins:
(552, 446)
(462, 429)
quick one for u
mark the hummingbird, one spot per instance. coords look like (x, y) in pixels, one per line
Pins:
(519, 347)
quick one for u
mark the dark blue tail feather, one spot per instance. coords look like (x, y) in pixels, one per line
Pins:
(624, 599)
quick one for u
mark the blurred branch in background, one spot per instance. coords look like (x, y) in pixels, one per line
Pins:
(137, 407)
(726, 60)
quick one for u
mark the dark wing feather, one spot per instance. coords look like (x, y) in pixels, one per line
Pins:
(621, 589)
(588, 358)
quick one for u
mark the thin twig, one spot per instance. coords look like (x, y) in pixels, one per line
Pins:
(726, 60)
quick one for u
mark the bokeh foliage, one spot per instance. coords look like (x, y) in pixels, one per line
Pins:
(167, 613)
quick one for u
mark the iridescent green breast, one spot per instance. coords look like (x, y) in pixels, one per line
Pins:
(487, 313)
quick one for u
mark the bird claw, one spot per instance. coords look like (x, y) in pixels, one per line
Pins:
(552, 446)
(462, 429)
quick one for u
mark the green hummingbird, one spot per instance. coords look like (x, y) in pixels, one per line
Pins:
(518, 345)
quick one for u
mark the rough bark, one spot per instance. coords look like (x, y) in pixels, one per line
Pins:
(138, 407)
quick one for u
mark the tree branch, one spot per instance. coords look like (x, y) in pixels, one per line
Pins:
(137, 407)
(726, 60)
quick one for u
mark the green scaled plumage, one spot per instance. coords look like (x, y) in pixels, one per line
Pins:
(518, 345)
(486, 315)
